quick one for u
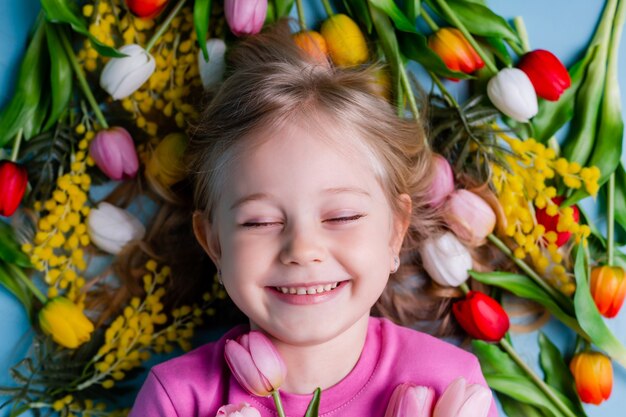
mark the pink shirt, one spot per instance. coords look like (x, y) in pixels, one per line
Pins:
(198, 383)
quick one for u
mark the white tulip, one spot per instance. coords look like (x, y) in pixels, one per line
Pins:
(446, 260)
(110, 227)
(512, 92)
(212, 72)
(123, 76)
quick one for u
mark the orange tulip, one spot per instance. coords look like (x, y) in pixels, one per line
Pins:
(608, 289)
(313, 44)
(593, 374)
(455, 51)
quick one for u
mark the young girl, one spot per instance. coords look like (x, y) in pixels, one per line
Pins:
(308, 190)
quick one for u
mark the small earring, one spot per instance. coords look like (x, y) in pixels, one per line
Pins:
(219, 277)
(396, 264)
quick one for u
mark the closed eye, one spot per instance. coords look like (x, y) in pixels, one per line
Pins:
(345, 219)
(253, 225)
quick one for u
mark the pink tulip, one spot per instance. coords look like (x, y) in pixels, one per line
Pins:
(255, 363)
(114, 152)
(245, 17)
(469, 217)
(443, 183)
(463, 400)
(408, 400)
(241, 410)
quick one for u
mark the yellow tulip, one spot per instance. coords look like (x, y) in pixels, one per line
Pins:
(345, 41)
(166, 162)
(65, 322)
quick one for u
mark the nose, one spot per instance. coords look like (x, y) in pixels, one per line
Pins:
(302, 246)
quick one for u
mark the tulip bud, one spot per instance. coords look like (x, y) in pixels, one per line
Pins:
(114, 153)
(446, 260)
(345, 41)
(455, 51)
(13, 182)
(245, 17)
(511, 91)
(110, 227)
(146, 9)
(255, 363)
(212, 72)
(408, 400)
(548, 75)
(469, 217)
(463, 400)
(241, 410)
(551, 222)
(123, 76)
(593, 374)
(443, 181)
(313, 44)
(166, 166)
(481, 316)
(65, 322)
(608, 289)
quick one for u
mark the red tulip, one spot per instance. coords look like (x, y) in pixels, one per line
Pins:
(548, 75)
(146, 9)
(13, 181)
(255, 363)
(608, 289)
(481, 316)
(408, 400)
(551, 222)
(593, 374)
(455, 51)
(114, 152)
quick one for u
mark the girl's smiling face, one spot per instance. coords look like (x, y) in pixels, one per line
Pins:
(304, 214)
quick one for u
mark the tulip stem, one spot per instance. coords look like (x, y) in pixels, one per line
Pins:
(463, 287)
(407, 89)
(27, 282)
(301, 19)
(82, 81)
(610, 220)
(449, 13)
(329, 10)
(278, 403)
(429, 20)
(164, 25)
(557, 296)
(444, 90)
(540, 383)
(16, 145)
(520, 27)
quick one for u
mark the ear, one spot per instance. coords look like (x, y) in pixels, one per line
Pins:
(401, 222)
(206, 237)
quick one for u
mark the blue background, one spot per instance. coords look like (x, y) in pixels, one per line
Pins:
(561, 26)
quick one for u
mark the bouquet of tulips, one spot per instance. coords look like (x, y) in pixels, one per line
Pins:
(106, 89)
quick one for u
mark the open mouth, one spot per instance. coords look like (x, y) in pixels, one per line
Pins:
(310, 290)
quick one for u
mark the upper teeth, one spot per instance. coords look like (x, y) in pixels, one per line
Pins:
(315, 289)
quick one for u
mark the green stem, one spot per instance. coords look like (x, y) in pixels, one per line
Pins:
(301, 19)
(463, 287)
(429, 20)
(278, 403)
(535, 378)
(164, 25)
(460, 26)
(520, 27)
(604, 28)
(27, 282)
(406, 85)
(444, 90)
(82, 80)
(329, 10)
(610, 220)
(556, 295)
(16, 145)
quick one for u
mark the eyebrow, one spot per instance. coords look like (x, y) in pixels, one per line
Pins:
(265, 196)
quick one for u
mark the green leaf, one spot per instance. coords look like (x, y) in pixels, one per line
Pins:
(514, 408)
(524, 287)
(412, 8)
(283, 7)
(360, 12)
(16, 288)
(552, 115)
(620, 195)
(10, 250)
(494, 360)
(522, 390)
(390, 8)
(589, 317)
(415, 46)
(478, 19)
(60, 75)
(557, 373)
(27, 95)
(64, 11)
(201, 16)
(388, 41)
(499, 49)
(314, 406)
